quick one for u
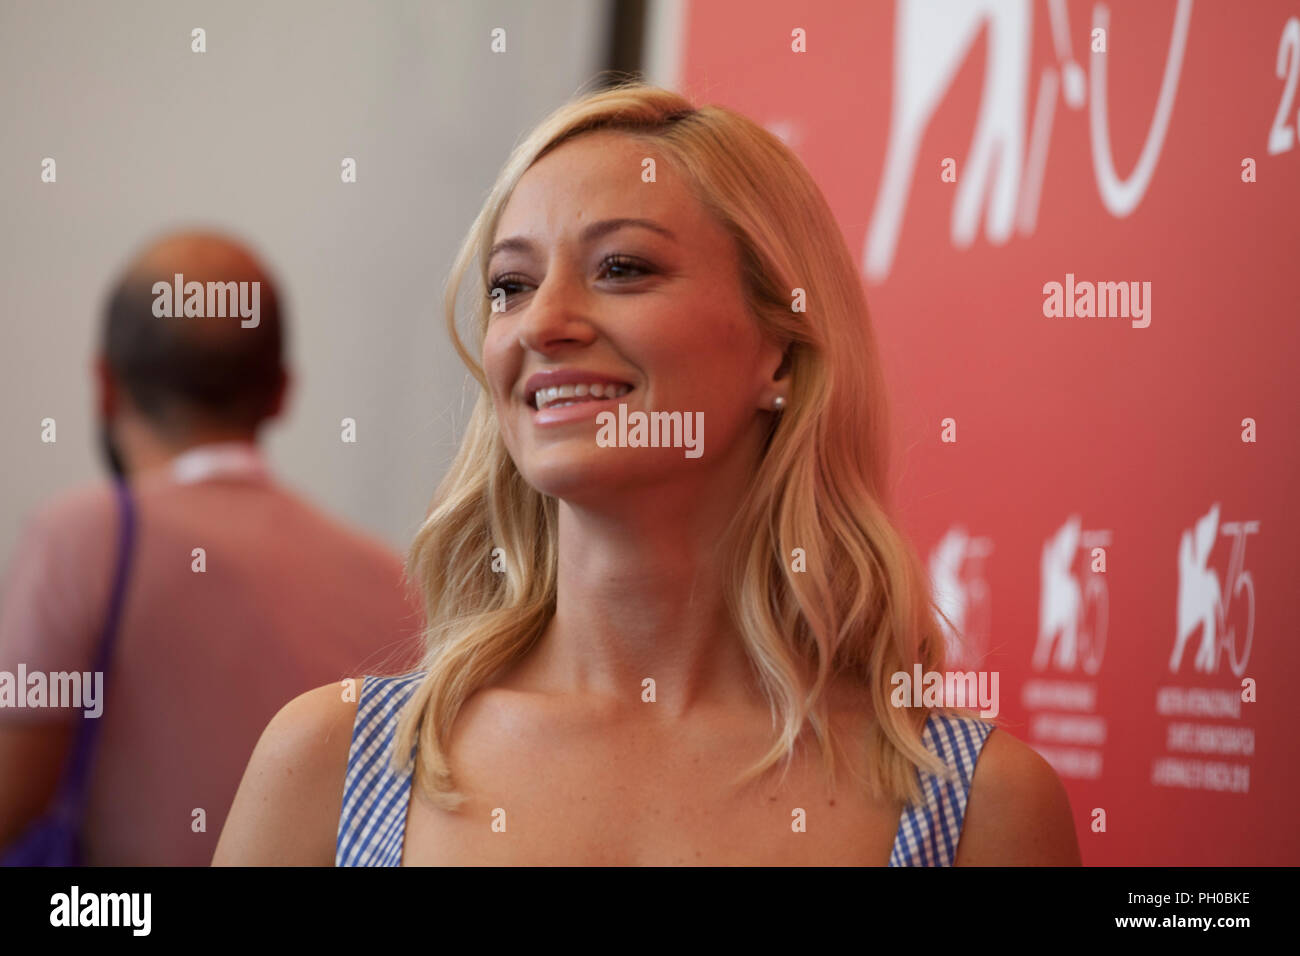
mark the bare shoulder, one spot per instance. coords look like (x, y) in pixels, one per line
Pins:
(286, 810)
(1017, 813)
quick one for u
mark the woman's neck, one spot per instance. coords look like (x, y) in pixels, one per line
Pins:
(641, 596)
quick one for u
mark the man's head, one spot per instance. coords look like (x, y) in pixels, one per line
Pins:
(180, 364)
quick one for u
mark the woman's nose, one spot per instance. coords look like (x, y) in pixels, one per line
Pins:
(556, 313)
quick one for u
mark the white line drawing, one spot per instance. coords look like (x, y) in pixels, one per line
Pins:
(932, 39)
(1200, 597)
(1072, 618)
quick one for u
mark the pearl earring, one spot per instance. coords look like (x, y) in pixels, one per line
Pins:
(778, 403)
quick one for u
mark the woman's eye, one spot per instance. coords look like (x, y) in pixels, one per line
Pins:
(623, 265)
(506, 283)
(614, 267)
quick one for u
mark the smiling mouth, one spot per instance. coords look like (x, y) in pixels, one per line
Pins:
(562, 395)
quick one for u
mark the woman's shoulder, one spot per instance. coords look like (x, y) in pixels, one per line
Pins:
(287, 808)
(1017, 810)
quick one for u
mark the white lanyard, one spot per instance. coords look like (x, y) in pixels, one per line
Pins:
(220, 459)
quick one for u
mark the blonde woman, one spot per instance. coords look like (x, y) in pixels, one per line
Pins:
(672, 652)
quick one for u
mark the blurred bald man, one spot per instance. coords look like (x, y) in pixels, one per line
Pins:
(287, 598)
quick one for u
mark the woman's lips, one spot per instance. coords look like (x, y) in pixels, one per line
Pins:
(582, 409)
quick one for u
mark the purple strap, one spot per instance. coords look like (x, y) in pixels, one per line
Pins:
(72, 789)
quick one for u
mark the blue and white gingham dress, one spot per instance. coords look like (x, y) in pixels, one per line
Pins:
(375, 797)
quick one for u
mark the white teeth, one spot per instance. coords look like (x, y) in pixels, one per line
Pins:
(565, 394)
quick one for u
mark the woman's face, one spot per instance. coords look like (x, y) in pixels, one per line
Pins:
(657, 307)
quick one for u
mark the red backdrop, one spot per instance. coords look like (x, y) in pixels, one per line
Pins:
(1107, 540)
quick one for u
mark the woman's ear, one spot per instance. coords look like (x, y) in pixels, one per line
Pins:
(784, 368)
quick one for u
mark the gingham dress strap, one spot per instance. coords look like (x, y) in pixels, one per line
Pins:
(929, 831)
(375, 796)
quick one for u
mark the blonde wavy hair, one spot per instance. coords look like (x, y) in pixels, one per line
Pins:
(863, 606)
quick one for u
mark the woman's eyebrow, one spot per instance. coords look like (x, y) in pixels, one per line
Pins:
(592, 232)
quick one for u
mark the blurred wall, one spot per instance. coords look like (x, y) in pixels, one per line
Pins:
(249, 136)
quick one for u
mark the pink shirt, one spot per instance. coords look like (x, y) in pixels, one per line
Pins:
(290, 599)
